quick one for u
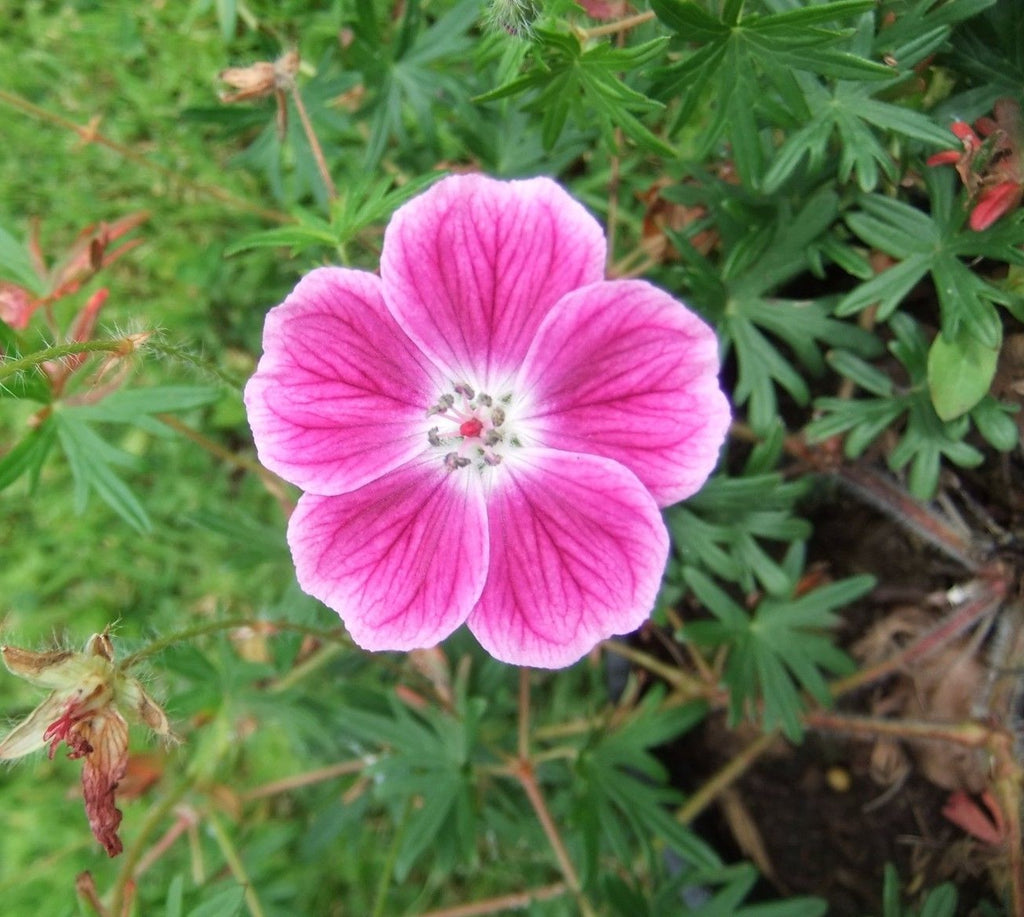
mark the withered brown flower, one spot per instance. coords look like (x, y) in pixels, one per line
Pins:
(262, 79)
(86, 709)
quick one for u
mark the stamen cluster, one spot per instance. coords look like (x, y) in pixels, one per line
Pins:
(479, 430)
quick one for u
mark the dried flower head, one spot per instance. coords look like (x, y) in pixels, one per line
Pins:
(86, 709)
(259, 80)
(992, 169)
(262, 79)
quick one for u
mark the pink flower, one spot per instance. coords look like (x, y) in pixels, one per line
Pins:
(486, 431)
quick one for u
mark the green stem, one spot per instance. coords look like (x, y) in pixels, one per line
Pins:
(729, 774)
(315, 661)
(235, 864)
(528, 781)
(58, 352)
(212, 627)
(384, 883)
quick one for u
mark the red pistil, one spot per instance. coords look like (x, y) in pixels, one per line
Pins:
(65, 729)
(471, 427)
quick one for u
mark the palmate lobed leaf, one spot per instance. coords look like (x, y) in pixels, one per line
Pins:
(778, 649)
(721, 527)
(424, 771)
(568, 78)
(739, 57)
(621, 784)
(926, 438)
(91, 458)
(849, 110)
(126, 405)
(935, 243)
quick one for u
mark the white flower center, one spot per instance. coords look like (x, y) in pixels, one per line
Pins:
(472, 430)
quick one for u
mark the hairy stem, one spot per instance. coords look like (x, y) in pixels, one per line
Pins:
(886, 497)
(212, 627)
(120, 346)
(523, 770)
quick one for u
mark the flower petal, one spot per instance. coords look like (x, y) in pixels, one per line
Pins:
(29, 734)
(993, 203)
(402, 560)
(105, 765)
(472, 266)
(623, 370)
(340, 395)
(578, 549)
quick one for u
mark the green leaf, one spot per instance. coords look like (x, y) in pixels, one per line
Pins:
(781, 647)
(173, 901)
(887, 289)
(90, 459)
(226, 903)
(964, 299)
(567, 79)
(16, 265)
(841, 65)
(995, 423)
(28, 456)
(428, 820)
(298, 238)
(902, 120)
(893, 226)
(868, 377)
(688, 19)
(814, 14)
(624, 788)
(941, 901)
(125, 405)
(720, 528)
(960, 372)
(227, 17)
